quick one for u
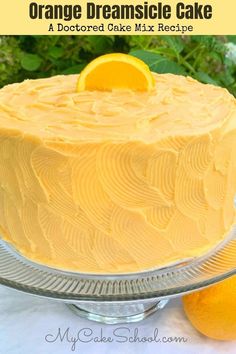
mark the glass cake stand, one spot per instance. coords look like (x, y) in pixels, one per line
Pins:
(117, 298)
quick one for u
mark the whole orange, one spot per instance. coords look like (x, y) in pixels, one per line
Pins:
(212, 311)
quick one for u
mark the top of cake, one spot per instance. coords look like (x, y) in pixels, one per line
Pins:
(53, 110)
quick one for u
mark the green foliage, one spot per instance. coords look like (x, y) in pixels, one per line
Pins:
(205, 58)
(9, 60)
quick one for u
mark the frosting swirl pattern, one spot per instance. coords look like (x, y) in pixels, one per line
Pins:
(121, 181)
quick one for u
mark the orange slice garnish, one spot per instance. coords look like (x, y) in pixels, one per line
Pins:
(114, 72)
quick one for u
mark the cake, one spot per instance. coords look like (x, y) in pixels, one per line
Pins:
(118, 181)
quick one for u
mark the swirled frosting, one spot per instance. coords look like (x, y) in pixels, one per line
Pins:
(120, 181)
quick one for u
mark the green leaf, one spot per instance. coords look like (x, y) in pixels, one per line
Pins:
(56, 52)
(167, 52)
(174, 43)
(205, 78)
(76, 69)
(158, 63)
(31, 62)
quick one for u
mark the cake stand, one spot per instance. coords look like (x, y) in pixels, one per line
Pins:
(117, 298)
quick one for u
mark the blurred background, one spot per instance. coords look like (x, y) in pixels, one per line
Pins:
(210, 59)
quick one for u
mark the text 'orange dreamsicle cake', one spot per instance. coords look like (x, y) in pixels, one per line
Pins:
(117, 169)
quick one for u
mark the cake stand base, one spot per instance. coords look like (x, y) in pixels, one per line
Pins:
(113, 313)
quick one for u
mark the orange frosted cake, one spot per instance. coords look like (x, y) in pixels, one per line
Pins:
(116, 181)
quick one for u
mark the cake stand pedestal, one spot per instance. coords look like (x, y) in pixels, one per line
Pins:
(118, 312)
(118, 298)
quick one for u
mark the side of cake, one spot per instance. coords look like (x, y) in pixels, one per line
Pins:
(110, 182)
